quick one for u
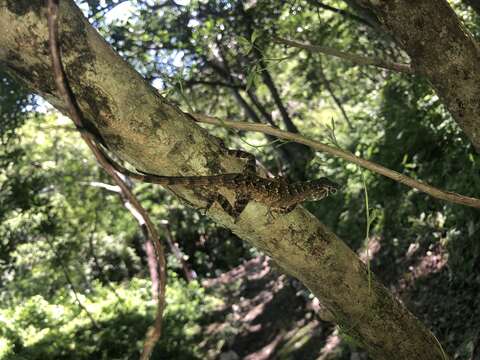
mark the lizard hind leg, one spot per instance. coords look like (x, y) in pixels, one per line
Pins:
(241, 202)
(250, 160)
(223, 202)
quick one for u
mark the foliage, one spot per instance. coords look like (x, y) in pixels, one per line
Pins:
(56, 328)
(14, 103)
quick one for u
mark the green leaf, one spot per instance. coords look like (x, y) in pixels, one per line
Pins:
(255, 36)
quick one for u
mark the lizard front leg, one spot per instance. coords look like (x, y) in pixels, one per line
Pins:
(286, 209)
(222, 201)
(241, 202)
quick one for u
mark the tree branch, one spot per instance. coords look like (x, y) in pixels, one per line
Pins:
(189, 274)
(354, 58)
(442, 50)
(97, 263)
(92, 142)
(340, 11)
(343, 154)
(267, 78)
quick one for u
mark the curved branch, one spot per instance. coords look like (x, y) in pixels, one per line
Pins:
(354, 58)
(346, 155)
(76, 115)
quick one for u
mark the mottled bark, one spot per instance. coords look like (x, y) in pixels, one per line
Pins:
(144, 129)
(442, 50)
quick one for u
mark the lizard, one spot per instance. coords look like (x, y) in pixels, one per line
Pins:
(278, 194)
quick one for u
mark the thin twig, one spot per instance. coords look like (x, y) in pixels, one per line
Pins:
(189, 274)
(354, 58)
(72, 286)
(337, 101)
(92, 142)
(346, 155)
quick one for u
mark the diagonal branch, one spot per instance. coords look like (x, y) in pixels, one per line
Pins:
(346, 155)
(354, 58)
(342, 12)
(77, 117)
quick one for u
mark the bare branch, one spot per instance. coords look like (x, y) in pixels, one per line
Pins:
(354, 58)
(346, 155)
(189, 274)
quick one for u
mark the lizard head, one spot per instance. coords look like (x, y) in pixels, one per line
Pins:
(321, 188)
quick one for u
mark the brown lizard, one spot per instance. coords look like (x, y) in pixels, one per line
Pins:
(277, 193)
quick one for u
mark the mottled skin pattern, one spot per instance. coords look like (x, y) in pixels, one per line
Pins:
(278, 194)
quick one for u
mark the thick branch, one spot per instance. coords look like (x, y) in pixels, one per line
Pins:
(442, 50)
(343, 154)
(354, 58)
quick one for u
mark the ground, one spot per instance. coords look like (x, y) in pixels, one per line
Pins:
(269, 315)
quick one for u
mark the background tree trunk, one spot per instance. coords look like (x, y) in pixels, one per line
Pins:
(442, 50)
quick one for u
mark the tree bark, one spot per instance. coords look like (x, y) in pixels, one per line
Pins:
(442, 50)
(144, 129)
